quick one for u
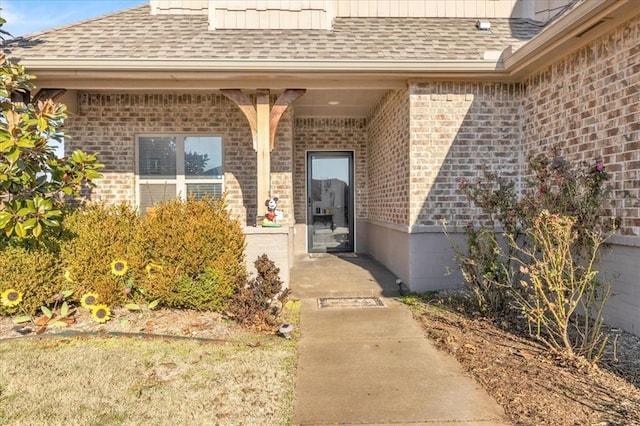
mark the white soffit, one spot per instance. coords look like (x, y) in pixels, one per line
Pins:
(356, 103)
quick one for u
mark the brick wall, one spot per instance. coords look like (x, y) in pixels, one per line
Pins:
(456, 130)
(388, 159)
(108, 123)
(329, 134)
(588, 105)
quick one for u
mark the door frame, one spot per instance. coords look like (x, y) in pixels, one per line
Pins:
(351, 155)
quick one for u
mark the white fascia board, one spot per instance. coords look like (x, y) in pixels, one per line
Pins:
(280, 66)
(560, 37)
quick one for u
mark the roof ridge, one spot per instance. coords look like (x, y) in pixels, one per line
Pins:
(84, 21)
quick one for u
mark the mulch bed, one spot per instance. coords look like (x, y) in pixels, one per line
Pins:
(534, 387)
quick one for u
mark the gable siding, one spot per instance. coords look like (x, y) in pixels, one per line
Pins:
(319, 14)
(432, 8)
(547, 9)
(179, 7)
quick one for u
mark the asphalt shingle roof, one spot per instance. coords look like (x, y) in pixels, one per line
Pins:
(136, 34)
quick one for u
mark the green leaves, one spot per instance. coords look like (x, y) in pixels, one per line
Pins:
(22, 319)
(27, 216)
(64, 310)
(32, 180)
(47, 312)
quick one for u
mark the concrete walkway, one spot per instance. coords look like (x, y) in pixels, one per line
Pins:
(374, 365)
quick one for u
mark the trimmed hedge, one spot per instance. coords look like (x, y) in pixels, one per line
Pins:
(200, 249)
(101, 233)
(187, 254)
(32, 268)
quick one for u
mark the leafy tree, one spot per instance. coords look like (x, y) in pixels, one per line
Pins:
(33, 180)
(195, 164)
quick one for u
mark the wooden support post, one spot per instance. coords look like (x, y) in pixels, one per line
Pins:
(285, 99)
(263, 122)
(264, 153)
(247, 108)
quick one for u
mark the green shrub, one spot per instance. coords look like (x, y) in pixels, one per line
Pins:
(32, 269)
(199, 247)
(100, 234)
(207, 292)
(187, 254)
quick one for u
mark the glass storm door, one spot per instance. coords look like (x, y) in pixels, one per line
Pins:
(330, 201)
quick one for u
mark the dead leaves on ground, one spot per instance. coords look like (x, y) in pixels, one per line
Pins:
(532, 385)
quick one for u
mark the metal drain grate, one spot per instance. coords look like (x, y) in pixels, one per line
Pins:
(350, 302)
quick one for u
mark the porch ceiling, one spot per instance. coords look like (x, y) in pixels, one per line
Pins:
(356, 103)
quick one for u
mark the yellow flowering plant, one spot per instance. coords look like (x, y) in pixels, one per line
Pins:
(89, 300)
(61, 315)
(11, 297)
(119, 268)
(101, 313)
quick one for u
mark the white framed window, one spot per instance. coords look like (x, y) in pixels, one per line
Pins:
(169, 166)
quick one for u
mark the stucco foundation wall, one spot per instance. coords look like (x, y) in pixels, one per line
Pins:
(109, 122)
(277, 243)
(433, 267)
(586, 105)
(620, 264)
(390, 245)
(457, 129)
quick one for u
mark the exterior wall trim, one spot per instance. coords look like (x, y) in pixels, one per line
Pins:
(413, 229)
(624, 240)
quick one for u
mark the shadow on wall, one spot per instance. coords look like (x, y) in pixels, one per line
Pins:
(480, 129)
(461, 128)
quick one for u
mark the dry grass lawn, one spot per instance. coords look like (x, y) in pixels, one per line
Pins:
(120, 380)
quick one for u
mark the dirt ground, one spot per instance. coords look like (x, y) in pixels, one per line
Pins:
(159, 322)
(532, 386)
